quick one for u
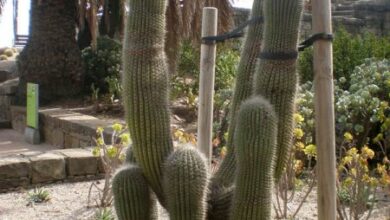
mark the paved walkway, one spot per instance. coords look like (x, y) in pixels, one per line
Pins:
(12, 143)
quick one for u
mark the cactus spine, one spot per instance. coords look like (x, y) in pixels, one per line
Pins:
(145, 88)
(276, 79)
(256, 136)
(132, 197)
(185, 185)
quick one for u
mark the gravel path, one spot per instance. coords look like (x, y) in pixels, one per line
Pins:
(69, 202)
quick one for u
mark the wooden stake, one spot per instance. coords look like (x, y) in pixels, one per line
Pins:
(324, 112)
(206, 82)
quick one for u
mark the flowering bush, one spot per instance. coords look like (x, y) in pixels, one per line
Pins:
(112, 155)
(357, 183)
(362, 109)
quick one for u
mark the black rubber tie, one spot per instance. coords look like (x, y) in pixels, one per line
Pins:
(313, 38)
(236, 33)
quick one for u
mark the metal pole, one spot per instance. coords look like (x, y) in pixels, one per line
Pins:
(206, 82)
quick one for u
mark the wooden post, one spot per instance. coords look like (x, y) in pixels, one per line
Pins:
(206, 82)
(324, 112)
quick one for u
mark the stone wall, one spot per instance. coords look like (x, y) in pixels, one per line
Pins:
(29, 169)
(63, 128)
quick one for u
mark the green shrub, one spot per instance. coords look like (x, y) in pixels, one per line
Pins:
(349, 51)
(362, 109)
(187, 78)
(38, 195)
(102, 63)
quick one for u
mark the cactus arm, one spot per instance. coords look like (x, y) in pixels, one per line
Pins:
(133, 200)
(243, 89)
(276, 80)
(255, 139)
(185, 185)
(145, 88)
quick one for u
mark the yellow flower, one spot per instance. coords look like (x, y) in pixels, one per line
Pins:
(99, 130)
(366, 178)
(299, 145)
(298, 118)
(373, 181)
(352, 152)
(223, 151)
(117, 127)
(310, 150)
(385, 179)
(125, 138)
(298, 133)
(347, 160)
(96, 151)
(100, 142)
(348, 137)
(380, 168)
(367, 152)
(298, 165)
(348, 182)
(353, 172)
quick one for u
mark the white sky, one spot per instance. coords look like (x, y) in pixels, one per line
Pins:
(6, 24)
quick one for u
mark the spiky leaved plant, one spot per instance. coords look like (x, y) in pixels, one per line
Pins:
(179, 179)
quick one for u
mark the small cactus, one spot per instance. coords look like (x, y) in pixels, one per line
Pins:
(133, 200)
(256, 138)
(185, 184)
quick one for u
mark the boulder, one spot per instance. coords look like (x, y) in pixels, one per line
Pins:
(8, 70)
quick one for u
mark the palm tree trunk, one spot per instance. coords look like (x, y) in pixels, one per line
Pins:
(51, 57)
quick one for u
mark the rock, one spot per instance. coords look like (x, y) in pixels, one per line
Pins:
(9, 87)
(47, 167)
(8, 70)
(79, 162)
(14, 167)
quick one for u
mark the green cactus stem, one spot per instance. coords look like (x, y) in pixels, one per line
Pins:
(276, 79)
(243, 89)
(255, 139)
(145, 88)
(185, 185)
(133, 199)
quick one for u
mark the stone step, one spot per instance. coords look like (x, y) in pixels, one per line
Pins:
(29, 169)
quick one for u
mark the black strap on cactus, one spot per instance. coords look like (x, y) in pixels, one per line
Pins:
(313, 38)
(301, 47)
(236, 33)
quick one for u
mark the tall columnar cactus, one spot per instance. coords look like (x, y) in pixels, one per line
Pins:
(243, 89)
(276, 78)
(185, 185)
(133, 198)
(257, 141)
(256, 138)
(145, 88)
